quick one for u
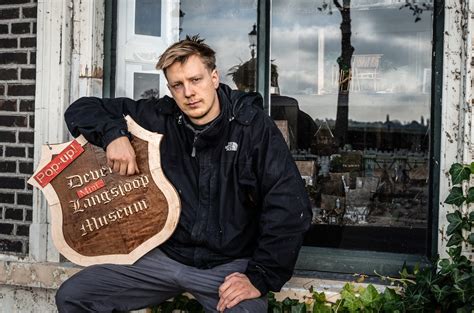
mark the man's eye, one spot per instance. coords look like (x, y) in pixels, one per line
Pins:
(177, 86)
(196, 79)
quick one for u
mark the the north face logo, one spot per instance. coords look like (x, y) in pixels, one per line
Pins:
(231, 146)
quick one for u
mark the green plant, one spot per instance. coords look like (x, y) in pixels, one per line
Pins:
(180, 303)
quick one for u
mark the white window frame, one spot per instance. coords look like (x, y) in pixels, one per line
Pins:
(139, 53)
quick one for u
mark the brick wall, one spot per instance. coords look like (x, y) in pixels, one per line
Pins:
(17, 90)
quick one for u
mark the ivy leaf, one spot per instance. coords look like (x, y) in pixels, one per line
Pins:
(455, 240)
(454, 252)
(459, 173)
(321, 308)
(472, 167)
(444, 263)
(369, 295)
(440, 293)
(455, 222)
(470, 195)
(349, 298)
(298, 308)
(319, 297)
(471, 217)
(390, 295)
(470, 239)
(455, 197)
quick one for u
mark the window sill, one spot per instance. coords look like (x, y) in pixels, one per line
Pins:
(46, 275)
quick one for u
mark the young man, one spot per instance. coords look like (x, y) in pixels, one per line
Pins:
(244, 207)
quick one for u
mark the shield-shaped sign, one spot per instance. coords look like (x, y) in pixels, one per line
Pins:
(98, 216)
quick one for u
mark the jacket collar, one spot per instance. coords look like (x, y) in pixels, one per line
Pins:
(235, 106)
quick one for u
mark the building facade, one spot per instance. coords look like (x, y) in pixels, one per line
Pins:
(372, 96)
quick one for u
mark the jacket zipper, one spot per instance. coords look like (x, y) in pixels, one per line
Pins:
(193, 152)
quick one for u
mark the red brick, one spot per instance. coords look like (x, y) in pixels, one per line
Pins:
(9, 43)
(12, 183)
(6, 229)
(20, 28)
(29, 42)
(7, 105)
(21, 90)
(29, 12)
(7, 136)
(6, 14)
(14, 152)
(8, 74)
(7, 245)
(13, 58)
(8, 166)
(27, 105)
(26, 137)
(3, 29)
(28, 73)
(11, 120)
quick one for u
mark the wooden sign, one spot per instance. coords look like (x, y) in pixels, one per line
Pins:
(99, 216)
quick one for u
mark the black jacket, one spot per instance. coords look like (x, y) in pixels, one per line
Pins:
(241, 193)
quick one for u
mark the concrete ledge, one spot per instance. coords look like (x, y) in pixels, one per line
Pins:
(38, 275)
(298, 288)
(50, 276)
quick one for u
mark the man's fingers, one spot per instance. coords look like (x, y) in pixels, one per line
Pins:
(121, 155)
(225, 285)
(116, 167)
(123, 168)
(136, 169)
(232, 298)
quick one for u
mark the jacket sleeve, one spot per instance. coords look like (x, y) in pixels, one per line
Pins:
(100, 121)
(286, 211)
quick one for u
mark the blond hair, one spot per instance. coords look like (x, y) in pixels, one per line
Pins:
(183, 49)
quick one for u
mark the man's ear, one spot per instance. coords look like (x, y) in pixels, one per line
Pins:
(215, 78)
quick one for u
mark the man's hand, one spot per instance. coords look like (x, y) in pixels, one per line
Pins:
(121, 157)
(236, 288)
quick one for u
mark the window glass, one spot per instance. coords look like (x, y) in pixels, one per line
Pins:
(351, 93)
(148, 17)
(146, 85)
(225, 25)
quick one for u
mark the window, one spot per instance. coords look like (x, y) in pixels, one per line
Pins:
(144, 29)
(354, 105)
(225, 24)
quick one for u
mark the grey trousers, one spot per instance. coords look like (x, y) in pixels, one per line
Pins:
(153, 279)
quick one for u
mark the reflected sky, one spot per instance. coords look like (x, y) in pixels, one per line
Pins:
(296, 26)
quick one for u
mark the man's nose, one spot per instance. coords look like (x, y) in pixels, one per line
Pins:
(188, 90)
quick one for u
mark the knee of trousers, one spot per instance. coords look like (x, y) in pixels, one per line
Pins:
(66, 292)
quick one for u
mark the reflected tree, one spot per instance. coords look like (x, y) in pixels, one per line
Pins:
(344, 62)
(150, 94)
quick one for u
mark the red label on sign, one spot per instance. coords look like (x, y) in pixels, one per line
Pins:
(59, 163)
(90, 188)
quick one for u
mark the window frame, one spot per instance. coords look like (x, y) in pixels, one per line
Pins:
(320, 259)
(331, 262)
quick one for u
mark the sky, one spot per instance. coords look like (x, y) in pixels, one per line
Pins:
(403, 45)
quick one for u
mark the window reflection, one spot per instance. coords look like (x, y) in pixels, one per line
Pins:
(352, 94)
(225, 24)
(146, 85)
(148, 17)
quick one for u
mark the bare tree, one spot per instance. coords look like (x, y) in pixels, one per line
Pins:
(345, 72)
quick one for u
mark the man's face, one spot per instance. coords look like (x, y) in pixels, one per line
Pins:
(193, 87)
